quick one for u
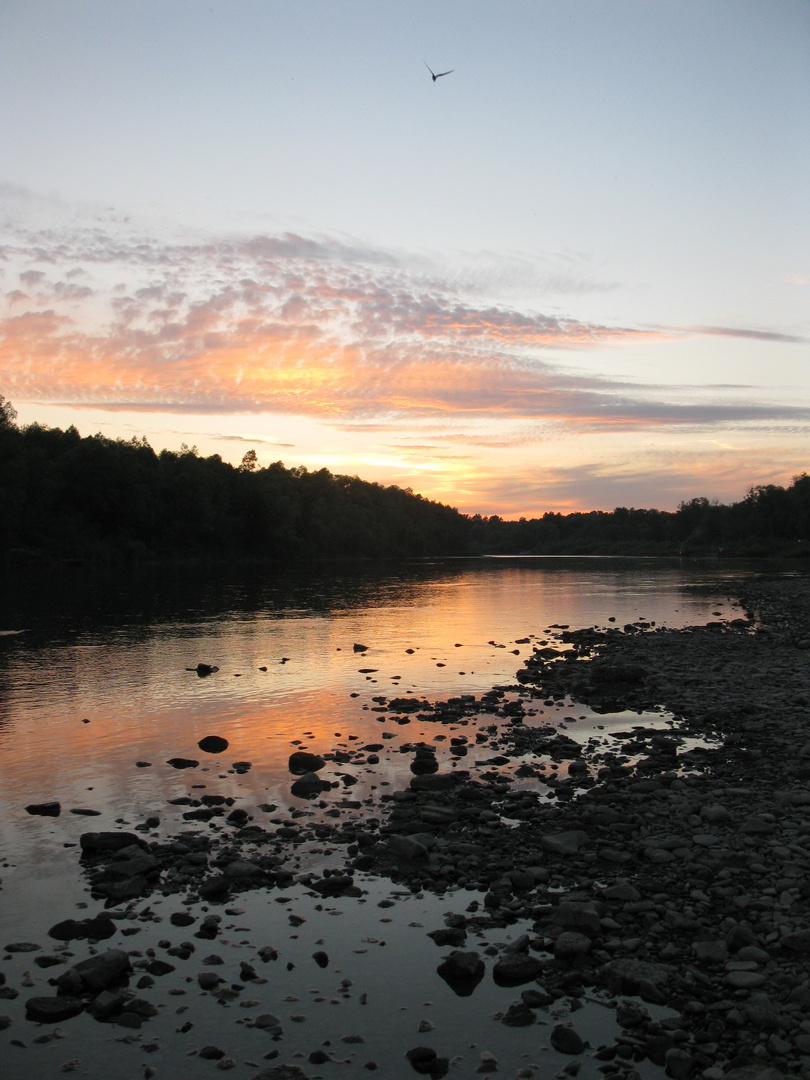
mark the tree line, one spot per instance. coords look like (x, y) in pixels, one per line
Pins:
(97, 499)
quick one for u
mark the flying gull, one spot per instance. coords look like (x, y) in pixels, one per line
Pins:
(435, 77)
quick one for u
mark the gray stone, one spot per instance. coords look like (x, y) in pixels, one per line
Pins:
(571, 944)
(405, 847)
(45, 809)
(302, 762)
(518, 1015)
(96, 973)
(512, 969)
(565, 843)
(281, 1072)
(565, 1040)
(744, 980)
(241, 869)
(578, 916)
(53, 1010)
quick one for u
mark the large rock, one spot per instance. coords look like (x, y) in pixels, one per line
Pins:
(97, 842)
(565, 1040)
(405, 847)
(213, 744)
(574, 915)
(80, 929)
(565, 843)
(243, 870)
(462, 971)
(309, 785)
(434, 782)
(95, 973)
(302, 762)
(512, 969)
(44, 809)
(571, 945)
(52, 1010)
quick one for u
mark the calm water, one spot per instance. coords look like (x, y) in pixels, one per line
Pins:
(93, 668)
(93, 679)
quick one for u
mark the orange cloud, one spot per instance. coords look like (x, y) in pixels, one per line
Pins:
(312, 327)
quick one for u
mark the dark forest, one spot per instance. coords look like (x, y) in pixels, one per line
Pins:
(95, 499)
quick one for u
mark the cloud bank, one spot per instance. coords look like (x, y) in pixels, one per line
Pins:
(316, 326)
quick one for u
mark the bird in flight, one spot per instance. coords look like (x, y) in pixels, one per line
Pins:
(439, 75)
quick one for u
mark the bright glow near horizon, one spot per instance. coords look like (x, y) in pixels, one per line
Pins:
(573, 274)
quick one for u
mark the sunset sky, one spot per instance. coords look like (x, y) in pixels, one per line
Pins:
(572, 274)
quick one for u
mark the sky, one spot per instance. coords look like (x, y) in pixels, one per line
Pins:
(572, 274)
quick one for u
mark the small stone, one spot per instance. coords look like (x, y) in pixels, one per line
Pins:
(489, 1063)
(518, 1015)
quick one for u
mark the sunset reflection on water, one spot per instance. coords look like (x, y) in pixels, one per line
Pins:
(99, 680)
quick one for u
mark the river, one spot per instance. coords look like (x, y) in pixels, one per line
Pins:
(99, 691)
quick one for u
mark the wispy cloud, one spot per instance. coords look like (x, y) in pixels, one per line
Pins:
(756, 335)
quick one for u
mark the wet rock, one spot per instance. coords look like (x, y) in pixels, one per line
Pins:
(213, 744)
(267, 1022)
(302, 762)
(182, 763)
(321, 958)
(405, 847)
(455, 936)
(94, 843)
(518, 1015)
(45, 809)
(513, 969)
(565, 1040)
(434, 782)
(571, 945)
(797, 942)
(679, 1063)
(98, 929)
(106, 1004)
(566, 843)
(208, 980)
(309, 785)
(243, 869)
(425, 1061)
(205, 669)
(95, 973)
(488, 1062)
(52, 1010)
(281, 1072)
(578, 916)
(462, 971)
(214, 888)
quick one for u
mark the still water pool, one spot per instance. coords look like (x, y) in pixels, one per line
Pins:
(99, 690)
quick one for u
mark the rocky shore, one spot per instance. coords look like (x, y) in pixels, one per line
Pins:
(668, 870)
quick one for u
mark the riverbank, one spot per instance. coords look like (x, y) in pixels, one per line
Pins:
(662, 872)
